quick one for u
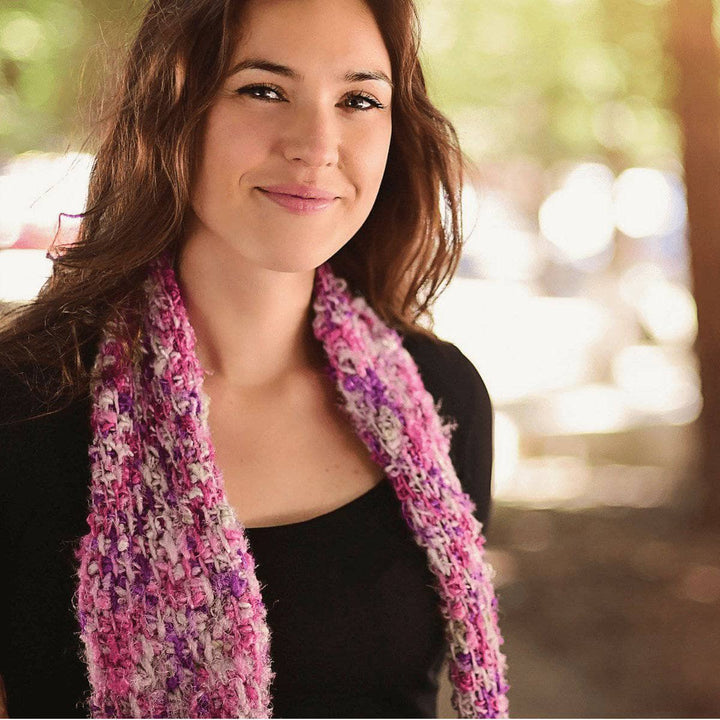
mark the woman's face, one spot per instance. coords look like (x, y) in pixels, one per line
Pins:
(306, 111)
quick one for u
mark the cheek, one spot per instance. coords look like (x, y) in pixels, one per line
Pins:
(233, 145)
(370, 153)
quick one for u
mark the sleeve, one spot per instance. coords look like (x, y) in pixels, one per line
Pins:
(455, 383)
(43, 496)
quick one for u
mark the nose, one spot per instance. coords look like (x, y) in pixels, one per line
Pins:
(312, 136)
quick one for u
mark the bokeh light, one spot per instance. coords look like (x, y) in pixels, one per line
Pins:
(648, 202)
(34, 189)
(666, 309)
(22, 274)
(658, 382)
(577, 219)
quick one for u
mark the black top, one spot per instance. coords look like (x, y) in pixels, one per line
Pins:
(355, 624)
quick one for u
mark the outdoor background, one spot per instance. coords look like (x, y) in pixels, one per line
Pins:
(588, 298)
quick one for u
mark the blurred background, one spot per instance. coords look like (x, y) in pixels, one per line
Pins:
(587, 298)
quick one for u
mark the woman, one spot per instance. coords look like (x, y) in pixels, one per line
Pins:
(234, 338)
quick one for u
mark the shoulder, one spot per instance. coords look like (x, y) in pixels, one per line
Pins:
(456, 385)
(29, 422)
(18, 399)
(451, 378)
(24, 406)
(44, 473)
(43, 453)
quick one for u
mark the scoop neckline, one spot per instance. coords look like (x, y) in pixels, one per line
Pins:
(366, 499)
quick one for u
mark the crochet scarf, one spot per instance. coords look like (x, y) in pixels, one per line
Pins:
(171, 616)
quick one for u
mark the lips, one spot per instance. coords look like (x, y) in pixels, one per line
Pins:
(301, 191)
(298, 204)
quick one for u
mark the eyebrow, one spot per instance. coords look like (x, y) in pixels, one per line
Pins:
(262, 64)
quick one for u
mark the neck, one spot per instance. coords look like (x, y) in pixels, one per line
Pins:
(252, 325)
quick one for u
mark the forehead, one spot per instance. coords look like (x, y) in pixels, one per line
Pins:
(330, 34)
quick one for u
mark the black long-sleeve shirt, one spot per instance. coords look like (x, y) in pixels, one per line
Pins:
(355, 624)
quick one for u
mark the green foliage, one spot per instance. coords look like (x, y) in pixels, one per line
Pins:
(53, 59)
(554, 78)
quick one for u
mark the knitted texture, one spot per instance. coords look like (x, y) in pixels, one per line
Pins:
(170, 610)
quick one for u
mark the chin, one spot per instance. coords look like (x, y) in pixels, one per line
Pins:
(297, 263)
(305, 254)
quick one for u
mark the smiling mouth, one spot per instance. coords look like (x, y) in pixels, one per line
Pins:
(297, 204)
(304, 195)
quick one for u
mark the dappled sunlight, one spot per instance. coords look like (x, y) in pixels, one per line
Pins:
(665, 309)
(648, 202)
(658, 382)
(581, 325)
(513, 255)
(523, 344)
(577, 219)
(589, 408)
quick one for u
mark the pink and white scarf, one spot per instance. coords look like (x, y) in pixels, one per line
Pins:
(171, 615)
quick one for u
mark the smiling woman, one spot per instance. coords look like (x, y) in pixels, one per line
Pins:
(257, 486)
(318, 128)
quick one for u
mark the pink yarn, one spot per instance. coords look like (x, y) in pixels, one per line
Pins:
(170, 610)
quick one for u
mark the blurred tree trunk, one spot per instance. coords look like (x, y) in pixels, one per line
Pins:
(698, 106)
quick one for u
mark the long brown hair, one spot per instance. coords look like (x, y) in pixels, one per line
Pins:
(138, 197)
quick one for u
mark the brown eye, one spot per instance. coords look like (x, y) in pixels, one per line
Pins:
(369, 100)
(260, 91)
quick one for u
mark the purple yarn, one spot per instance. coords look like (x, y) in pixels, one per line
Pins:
(170, 610)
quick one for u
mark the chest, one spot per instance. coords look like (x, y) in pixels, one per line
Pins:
(288, 455)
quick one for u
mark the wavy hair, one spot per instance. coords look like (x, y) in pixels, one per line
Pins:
(138, 196)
